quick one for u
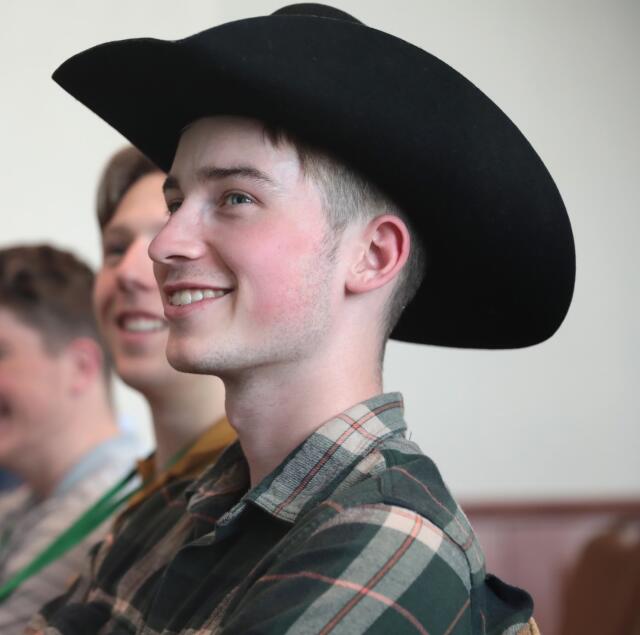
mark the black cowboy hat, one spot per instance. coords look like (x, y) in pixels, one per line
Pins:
(501, 260)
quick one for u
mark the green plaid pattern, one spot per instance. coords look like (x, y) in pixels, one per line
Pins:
(354, 532)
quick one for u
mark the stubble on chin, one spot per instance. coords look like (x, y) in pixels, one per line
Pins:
(298, 326)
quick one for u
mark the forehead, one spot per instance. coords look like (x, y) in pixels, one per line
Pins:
(225, 141)
(142, 202)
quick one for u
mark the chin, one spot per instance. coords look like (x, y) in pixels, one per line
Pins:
(183, 359)
(189, 356)
(143, 374)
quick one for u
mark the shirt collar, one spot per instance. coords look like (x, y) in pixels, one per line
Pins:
(330, 455)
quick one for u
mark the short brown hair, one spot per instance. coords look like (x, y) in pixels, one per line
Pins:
(50, 290)
(125, 168)
(348, 196)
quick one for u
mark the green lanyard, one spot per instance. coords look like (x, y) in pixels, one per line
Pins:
(79, 529)
(82, 526)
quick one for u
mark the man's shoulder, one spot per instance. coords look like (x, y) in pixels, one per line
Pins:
(404, 481)
(404, 504)
(396, 537)
(15, 500)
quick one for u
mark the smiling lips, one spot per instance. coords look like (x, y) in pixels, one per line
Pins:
(136, 323)
(190, 296)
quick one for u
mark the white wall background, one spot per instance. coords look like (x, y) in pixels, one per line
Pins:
(558, 420)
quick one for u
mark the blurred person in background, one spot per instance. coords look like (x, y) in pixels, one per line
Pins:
(57, 427)
(187, 410)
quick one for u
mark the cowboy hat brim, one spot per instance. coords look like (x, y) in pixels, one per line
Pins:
(501, 259)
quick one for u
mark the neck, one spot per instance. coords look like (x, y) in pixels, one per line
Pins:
(68, 444)
(274, 409)
(183, 412)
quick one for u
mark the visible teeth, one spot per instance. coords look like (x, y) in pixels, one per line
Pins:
(189, 296)
(139, 325)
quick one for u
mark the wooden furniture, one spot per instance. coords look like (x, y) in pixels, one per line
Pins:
(579, 560)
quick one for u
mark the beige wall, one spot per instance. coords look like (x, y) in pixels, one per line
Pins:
(561, 419)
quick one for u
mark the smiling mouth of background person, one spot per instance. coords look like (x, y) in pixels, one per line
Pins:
(141, 323)
(190, 296)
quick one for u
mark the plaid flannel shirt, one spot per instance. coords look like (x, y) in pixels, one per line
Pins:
(354, 532)
(195, 460)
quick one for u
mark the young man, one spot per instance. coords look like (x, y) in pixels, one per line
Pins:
(314, 166)
(58, 431)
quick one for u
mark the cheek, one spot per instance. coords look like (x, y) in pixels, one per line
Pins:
(102, 292)
(285, 275)
(9, 381)
(25, 384)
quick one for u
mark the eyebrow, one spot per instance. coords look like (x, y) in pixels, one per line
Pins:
(123, 231)
(212, 173)
(114, 230)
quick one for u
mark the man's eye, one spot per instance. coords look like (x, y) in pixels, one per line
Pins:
(112, 252)
(237, 198)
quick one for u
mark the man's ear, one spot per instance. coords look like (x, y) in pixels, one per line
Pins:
(85, 357)
(381, 253)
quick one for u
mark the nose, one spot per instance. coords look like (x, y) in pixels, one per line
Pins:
(135, 269)
(180, 239)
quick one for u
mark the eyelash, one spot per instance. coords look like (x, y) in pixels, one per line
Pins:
(113, 252)
(242, 194)
(174, 206)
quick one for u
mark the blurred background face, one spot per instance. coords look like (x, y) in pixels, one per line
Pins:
(32, 395)
(126, 298)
